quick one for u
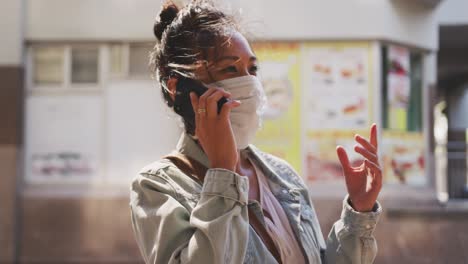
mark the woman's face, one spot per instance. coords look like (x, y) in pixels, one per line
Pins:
(234, 58)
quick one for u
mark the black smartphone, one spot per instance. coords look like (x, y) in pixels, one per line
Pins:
(182, 103)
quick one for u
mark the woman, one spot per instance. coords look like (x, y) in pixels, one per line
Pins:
(217, 198)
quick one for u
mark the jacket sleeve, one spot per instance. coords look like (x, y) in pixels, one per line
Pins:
(166, 232)
(351, 238)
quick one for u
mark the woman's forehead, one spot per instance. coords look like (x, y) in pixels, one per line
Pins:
(235, 46)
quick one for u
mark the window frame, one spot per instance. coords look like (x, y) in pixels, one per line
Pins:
(66, 87)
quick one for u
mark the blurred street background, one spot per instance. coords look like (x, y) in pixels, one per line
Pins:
(80, 115)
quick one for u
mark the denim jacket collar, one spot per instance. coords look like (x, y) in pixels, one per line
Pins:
(188, 146)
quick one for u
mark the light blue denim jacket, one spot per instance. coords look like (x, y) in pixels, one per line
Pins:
(177, 220)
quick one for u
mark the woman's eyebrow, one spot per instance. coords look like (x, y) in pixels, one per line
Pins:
(252, 58)
(236, 58)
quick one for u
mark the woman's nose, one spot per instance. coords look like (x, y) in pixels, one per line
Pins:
(244, 72)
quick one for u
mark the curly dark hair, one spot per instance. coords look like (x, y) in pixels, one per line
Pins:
(184, 37)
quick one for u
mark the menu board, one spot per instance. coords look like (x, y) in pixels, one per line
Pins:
(336, 104)
(403, 157)
(336, 90)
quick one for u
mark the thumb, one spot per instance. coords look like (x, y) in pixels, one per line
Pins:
(343, 157)
(227, 107)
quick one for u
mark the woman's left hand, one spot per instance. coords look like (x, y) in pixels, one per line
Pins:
(363, 182)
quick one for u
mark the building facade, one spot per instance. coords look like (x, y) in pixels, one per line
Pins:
(83, 116)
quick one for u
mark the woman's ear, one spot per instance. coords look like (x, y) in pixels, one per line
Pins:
(171, 85)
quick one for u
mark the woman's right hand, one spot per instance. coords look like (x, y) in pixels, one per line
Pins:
(214, 130)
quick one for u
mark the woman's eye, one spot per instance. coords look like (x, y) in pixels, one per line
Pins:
(230, 69)
(254, 69)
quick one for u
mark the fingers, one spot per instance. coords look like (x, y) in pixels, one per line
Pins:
(368, 149)
(202, 99)
(365, 144)
(212, 102)
(366, 154)
(343, 157)
(373, 137)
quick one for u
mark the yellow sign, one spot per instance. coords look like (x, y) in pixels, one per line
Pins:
(281, 130)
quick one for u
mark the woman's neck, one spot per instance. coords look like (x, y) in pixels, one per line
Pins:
(243, 162)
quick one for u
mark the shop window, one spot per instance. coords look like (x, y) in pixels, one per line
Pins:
(84, 66)
(402, 89)
(48, 66)
(117, 60)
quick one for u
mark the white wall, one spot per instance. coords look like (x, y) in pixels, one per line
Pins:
(351, 19)
(140, 128)
(11, 31)
(269, 19)
(90, 19)
(453, 12)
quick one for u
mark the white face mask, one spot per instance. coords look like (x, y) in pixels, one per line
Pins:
(246, 118)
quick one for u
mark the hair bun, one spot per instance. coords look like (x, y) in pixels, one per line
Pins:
(166, 16)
